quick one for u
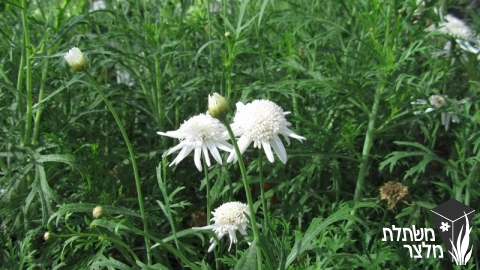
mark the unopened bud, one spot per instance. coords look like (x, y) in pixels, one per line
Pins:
(217, 106)
(46, 236)
(76, 59)
(97, 212)
(228, 34)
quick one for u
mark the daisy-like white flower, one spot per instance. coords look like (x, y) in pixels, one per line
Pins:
(201, 133)
(260, 122)
(438, 101)
(229, 218)
(76, 59)
(464, 36)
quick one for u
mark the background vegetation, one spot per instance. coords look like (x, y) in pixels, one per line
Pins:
(348, 70)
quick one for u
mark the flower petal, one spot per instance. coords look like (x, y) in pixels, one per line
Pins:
(196, 159)
(279, 149)
(268, 151)
(205, 154)
(214, 151)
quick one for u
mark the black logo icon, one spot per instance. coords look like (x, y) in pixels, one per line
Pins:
(453, 220)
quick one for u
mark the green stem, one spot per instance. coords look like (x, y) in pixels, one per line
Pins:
(132, 157)
(253, 222)
(209, 30)
(38, 115)
(207, 186)
(158, 96)
(262, 189)
(473, 176)
(26, 48)
(367, 146)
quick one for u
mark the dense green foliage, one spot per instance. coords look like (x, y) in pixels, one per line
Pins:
(347, 70)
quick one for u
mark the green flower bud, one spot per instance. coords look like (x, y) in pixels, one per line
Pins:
(217, 106)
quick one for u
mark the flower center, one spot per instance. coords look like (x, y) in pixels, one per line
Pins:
(200, 128)
(261, 120)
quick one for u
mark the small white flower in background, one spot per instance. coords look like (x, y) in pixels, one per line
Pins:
(76, 59)
(98, 5)
(2, 191)
(464, 36)
(438, 101)
(229, 218)
(201, 133)
(260, 122)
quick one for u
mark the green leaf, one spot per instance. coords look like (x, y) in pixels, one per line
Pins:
(248, 260)
(88, 208)
(318, 225)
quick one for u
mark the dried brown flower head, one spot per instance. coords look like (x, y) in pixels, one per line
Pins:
(393, 192)
(199, 219)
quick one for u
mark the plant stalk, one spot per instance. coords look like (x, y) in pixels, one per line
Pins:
(256, 233)
(134, 163)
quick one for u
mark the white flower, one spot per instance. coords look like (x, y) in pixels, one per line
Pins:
(438, 101)
(260, 122)
(455, 27)
(464, 36)
(228, 218)
(200, 133)
(76, 59)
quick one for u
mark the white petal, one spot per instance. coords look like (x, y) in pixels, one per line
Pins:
(279, 149)
(185, 151)
(290, 133)
(212, 246)
(196, 159)
(214, 151)
(419, 102)
(268, 151)
(455, 118)
(429, 110)
(224, 146)
(171, 134)
(243, 144)
(175, 148)
(205, 154)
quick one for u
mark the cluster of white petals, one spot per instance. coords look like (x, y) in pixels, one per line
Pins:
(464, 36)
(76, 59)
(261, 122)
(438, 101)
(228, 218)
(201, 133)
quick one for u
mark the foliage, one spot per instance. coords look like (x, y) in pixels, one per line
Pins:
(347, 70)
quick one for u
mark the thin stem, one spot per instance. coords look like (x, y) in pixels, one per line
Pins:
(253, 222)
(207, 180)
(36, 127)
(209, 31)
(262, 189)
(134, 163)
(158, 96)
(28, 67)
(367, 146)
